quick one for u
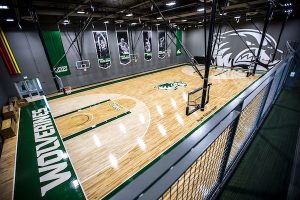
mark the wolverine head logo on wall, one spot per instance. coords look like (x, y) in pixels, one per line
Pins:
(232, 52)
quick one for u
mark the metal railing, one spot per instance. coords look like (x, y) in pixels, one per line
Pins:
(200, 165)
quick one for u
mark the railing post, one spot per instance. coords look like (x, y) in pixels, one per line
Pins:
(228, 144)
(288, 66)
(279, 87)
(265, 100)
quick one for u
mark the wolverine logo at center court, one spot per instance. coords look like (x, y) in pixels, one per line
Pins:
(172, 85)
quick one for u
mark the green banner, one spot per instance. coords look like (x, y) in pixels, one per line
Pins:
(178, 43)
(43, 168)
(56, 50)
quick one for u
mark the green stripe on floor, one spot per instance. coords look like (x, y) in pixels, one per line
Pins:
(74, 111)
(43, 168)
(96, 126)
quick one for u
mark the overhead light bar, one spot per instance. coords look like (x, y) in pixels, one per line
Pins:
(80, 12)
(129, 15)
(106, 22)
(3, 7)
(119, 21)
(288, 11)
(170, 3)
(200, 9)
(159, 18)
(66, 21)
(184, 20)
(10, 20)
(134, 23)
(237, 17)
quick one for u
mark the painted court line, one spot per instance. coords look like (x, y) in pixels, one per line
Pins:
(74, 111)
(100, 170)
(95, 126)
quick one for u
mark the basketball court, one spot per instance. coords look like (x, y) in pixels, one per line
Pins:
(134, 99)
(112, 131)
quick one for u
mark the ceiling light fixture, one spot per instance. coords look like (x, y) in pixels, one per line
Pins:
(3, 7)
(159, 18)
(134, 23)
(10, 20)
(119, 21)
(170, 3)
(223, 14)
(66, 21)
(184, 20)
(237, 17)
(106, 22)
(129, 15)
(200, 9)
(80, 12)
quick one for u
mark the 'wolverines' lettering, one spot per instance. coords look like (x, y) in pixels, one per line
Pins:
(50, 158)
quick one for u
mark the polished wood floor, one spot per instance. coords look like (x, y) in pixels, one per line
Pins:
(110, 154)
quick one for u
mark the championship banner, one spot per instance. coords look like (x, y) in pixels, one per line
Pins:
(102, 48)
(162, 44)
(124, 50)
(56, 51)
(178, 43)
(147, 38)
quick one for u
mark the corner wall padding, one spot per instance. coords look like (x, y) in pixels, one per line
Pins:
(56, 53)
(7, 56)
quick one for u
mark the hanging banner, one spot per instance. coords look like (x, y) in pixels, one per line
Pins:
(178, 43)
(162, 44)
(56, 51)
(102, 48)
(147, 38)
(124, 50)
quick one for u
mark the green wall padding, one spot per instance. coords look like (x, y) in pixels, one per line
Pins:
(178, 43)
(55, 50)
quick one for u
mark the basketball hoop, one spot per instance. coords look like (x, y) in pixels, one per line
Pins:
(83, 65)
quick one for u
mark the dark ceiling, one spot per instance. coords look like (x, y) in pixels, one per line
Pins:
(183, 13)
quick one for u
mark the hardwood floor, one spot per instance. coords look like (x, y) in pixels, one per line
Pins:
(108, 155)
(114, 140)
